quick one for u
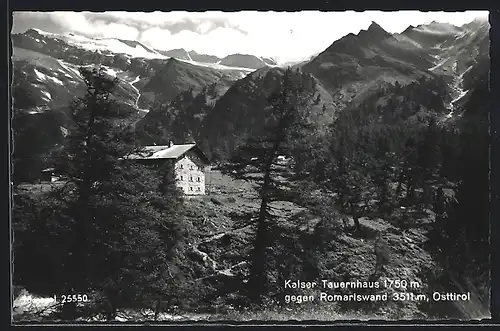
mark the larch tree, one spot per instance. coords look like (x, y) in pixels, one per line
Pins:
(268, 161)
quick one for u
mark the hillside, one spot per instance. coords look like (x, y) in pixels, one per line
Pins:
(49, 81)
(46, 78)
(349, 71)
(176, 76)
(246, 61)
(203, 57)
(359, 63)
(215, 229)
(43, 89)
(121, 56)
(237, 113)
(343, 75)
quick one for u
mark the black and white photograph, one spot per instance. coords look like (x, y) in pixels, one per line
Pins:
(250, 166)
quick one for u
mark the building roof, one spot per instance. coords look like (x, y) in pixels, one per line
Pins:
(168, 152)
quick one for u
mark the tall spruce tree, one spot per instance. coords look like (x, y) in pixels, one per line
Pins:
(268, 161)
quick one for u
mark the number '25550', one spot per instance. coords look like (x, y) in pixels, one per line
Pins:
(73, 298)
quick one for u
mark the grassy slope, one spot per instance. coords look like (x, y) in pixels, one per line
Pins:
(350, 258)
(353, 258)
(211, 218)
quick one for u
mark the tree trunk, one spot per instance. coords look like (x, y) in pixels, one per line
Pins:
(355, 215)
(399, 188)
(410, 192)
(110, 310)
(409, 189)
(357, 224)
(258, 282)
(77, 266)
(157, 309)
(384, 198)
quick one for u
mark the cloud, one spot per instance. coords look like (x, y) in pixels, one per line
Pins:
(63, 22)
(286, 35)
(174, 22)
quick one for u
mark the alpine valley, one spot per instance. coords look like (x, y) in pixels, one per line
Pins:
(367, 163)
(218, 102)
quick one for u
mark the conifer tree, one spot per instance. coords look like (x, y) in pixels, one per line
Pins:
(429, 154)
(116, 230)
(348, 179)
(267, 160)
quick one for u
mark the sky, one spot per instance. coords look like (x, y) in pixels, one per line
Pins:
(285, 36)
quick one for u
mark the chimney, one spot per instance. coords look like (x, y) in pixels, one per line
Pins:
(171, 143)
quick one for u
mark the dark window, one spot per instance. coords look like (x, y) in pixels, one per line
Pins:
(190, 179)
(198, 179)
(198, 188)
(190, 188)
(182, 178)
(191, 167)
(181, 166)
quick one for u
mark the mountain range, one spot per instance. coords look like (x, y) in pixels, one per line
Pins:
(181, 94)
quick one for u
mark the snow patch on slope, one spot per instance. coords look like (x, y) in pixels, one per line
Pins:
(438, 29)
(44, 33)
(440, 63)
(69, 68)
(460, 96)
(135, 80)
(118, 47)
(216, 66)
(56, 80)
(463, 73)
(112, 45)
(64, 131)
(46, 95)
(42, 77)
(110, 71)
(39, 75)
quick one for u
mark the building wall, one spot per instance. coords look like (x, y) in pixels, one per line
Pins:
(190, 174)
